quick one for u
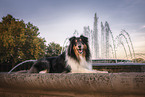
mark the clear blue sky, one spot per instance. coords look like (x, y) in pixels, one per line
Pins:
(58, 19)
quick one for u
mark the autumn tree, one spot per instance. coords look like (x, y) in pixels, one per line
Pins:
(53, 49)
(19, 41)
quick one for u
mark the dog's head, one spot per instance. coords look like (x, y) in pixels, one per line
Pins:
(79, 46)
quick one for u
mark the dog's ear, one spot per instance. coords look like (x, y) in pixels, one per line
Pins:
(85, 39)
(72, 38)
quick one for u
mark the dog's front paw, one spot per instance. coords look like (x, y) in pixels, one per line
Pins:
(96, 71)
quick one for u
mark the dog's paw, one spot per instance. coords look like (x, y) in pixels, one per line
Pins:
(44, 71)
(100, 71)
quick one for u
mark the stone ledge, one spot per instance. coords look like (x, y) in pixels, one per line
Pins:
(95, 83)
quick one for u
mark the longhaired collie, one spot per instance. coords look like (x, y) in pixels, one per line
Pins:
(76, 59)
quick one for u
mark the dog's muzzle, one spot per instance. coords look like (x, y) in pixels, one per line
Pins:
(80, 51)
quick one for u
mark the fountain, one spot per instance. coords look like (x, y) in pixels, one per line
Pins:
(123, 31)
(95, 41)
(93, 38)
(108, 44)
(21, 64)
(105, 32)
(121, 43)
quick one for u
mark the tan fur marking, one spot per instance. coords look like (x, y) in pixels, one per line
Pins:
(76, 51)
(84, 49)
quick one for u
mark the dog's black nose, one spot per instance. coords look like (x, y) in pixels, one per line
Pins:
(79, 46)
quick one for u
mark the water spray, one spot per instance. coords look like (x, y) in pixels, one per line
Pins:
(127, 43)
(21, 64)
(123, 31)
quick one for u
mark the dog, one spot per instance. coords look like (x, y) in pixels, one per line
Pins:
(76, 59)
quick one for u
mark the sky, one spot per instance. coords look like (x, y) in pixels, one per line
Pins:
(58, 19)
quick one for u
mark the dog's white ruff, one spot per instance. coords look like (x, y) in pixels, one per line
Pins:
(79, 67)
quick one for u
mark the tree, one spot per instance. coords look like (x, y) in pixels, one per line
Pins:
(53, 49)
(19, 41)
(34, 46)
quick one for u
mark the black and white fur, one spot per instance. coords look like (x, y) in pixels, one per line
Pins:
(76, 59)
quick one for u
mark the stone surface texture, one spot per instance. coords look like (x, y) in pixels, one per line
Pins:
(84, 84)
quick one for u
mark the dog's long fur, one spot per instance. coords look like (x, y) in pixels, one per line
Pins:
(75, 59)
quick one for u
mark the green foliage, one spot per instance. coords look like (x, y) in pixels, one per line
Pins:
(53, 49)
(19, 41)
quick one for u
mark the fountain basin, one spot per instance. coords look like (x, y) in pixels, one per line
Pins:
(120, 67)
(84, 84)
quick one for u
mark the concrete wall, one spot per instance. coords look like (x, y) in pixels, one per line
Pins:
(97, 84)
